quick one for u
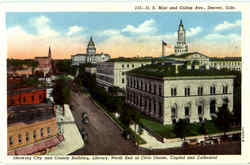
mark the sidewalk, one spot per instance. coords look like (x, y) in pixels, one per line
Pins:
(153, 143)
(72, 137)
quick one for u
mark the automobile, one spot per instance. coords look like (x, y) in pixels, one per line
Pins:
(84, 115)
(85, 120)
(84, 134)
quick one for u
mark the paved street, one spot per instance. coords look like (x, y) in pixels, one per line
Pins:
(104, 138)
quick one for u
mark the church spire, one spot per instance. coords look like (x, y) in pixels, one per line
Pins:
(49, 54)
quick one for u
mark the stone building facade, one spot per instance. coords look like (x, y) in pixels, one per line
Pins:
(234, 65)
(169, 98)
(113, 74)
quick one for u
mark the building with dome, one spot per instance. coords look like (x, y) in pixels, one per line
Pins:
(91, 57)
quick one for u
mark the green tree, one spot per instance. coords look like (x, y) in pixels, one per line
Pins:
(61, 93)
(181, 128)
(224, 118)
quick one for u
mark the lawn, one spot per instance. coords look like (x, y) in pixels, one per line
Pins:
(167, 131)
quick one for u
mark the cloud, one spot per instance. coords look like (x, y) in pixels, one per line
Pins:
(147, 26)
(227, 25)
(193, 31)
(22, 44)
(74, 29)
(42, 27)
(109, 32)
(217, 36)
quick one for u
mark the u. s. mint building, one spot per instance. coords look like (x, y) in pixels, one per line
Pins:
(171, 92)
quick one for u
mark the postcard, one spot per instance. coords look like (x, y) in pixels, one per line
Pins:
(138, 82)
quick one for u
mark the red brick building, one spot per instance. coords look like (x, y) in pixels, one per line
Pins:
(29, 95)
(44, 64)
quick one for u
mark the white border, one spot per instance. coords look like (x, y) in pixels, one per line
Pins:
(124, 7)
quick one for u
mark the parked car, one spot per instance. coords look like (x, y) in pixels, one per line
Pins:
(84, 115)
(84, 134)
(85, 120)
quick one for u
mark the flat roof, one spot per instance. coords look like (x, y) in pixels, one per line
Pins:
(135, 59)
(168, 70)
(23, 90)
(27, 107)
(30, 113)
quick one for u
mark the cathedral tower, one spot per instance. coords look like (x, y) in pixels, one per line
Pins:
(181, 46)
(49, 54)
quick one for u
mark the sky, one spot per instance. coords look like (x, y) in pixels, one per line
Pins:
(121, 34)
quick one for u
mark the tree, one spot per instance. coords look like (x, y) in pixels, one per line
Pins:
(224, 118)
(181, 128)
(61, 93)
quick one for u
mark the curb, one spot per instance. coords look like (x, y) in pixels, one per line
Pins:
(93, 101)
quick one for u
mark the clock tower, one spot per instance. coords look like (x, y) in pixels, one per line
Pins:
(181, 46)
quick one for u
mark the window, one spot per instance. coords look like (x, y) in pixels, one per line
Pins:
(140, 101)
(133, 65)
(40, 97)
(145, 104)
(123, 80)
(173, 113)
(173, 92)
(212, 90)
(128, 65)
(137, 84)
(149, 88)
(11, 142)
(48, 131)
(32, 98)
(41, 132)
(154, 89)
(186, 111)
(20, 139)
(187, 91)
(24, 99)
(34, 134)
(141, 85)
(200, 91)
(27, 136)
(225, 90)
(149, 106)
(159, 90)
(212, 106)
(122, 73)
(200, 112)
(154, 107)
(122, 65)
(146, 87)
(160, 109)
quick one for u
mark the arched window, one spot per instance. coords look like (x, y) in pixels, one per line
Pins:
(212, 106)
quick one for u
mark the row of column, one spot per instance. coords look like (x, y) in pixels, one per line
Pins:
(146, 104)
